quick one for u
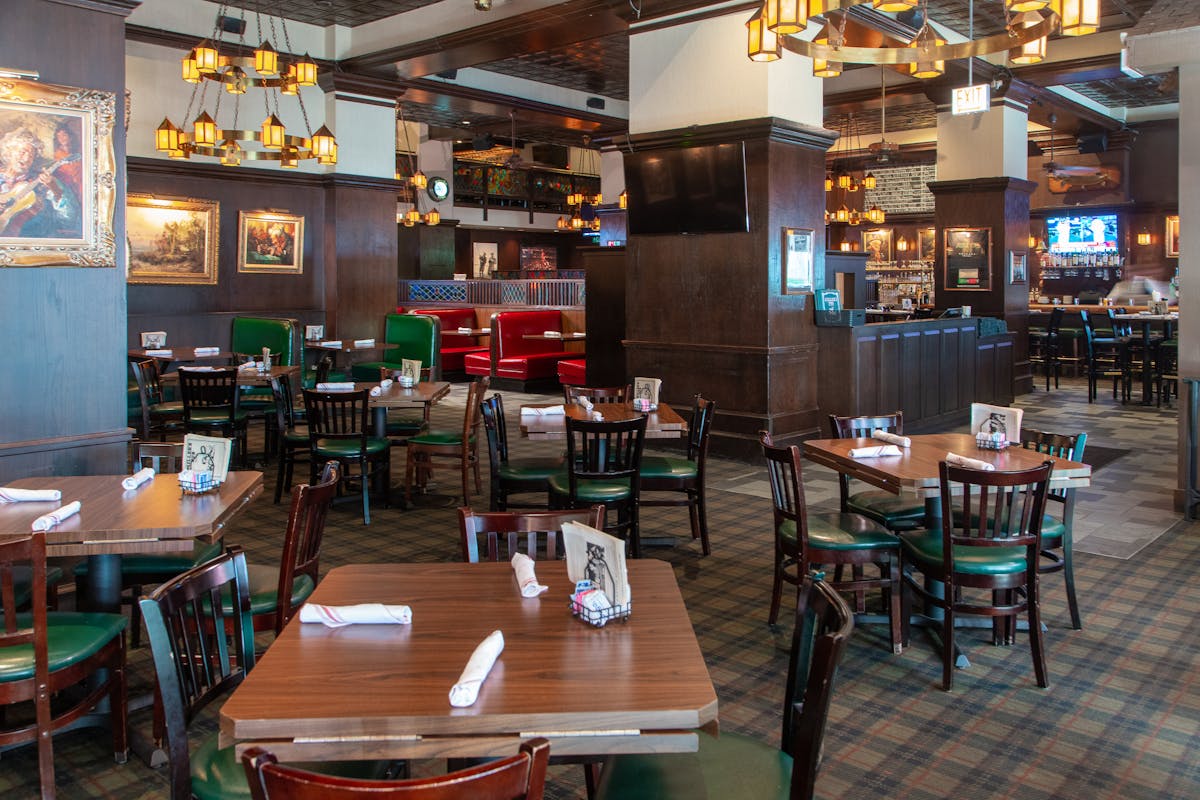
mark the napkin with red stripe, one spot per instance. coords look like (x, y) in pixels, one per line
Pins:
(361, 614)
(9, 494)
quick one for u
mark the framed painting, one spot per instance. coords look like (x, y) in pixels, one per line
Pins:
(968, 258)
(171, 240)
(927, 244)
(484, 257)
(1172, 237)
(271, 242)
(1017, 269)
(798, 269)
(57, 176)
(877, 244)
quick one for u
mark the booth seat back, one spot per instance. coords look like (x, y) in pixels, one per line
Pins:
(252, 334)
(411, 336)
(451, 320)
(510, 327)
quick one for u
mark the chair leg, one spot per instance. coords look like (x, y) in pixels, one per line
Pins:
(702, 512)
(284, 457)
(118, 708)
(948, 643)
(776, 587)
(409, 464)
(135, 617)
(1069, 579)
(1036, 640)
(466, 479)
(894, 591)
(364, 475)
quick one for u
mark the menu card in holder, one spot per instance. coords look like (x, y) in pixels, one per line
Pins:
(153, 340)
(645, 393)
(596, 565)
(1000, 424)
(410, 371)
(206, 455)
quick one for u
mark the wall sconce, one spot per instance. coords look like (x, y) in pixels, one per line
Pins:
(1144, 238)
(845, 247)
(902, 244)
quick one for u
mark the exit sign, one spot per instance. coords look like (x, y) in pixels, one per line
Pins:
(971, 99)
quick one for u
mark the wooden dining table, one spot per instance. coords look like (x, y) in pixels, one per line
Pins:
(381, 691)
(662, 423)
(249, 377)
(180, 354)
(422, 395)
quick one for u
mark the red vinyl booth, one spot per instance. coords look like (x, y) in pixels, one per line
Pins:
(572, 372)
(515, 357)
(454, 346)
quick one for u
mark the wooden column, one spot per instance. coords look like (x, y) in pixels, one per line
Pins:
(360, 258)
(1002, 206)
(706, 312)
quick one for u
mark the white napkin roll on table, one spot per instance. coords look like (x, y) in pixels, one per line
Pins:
(548, 411)
(875, 452)
(138, 478)
(552, 334)
(159, 351)
(526, 577)
(485, 330)
(361, 614)
(47, 521)
(332, 343)
(466, 691)
(11, 495)
(464, 330)
(891, 438)
(336, 386)
(206, 351)
(386, 383)
(970, 463)
(364, 342)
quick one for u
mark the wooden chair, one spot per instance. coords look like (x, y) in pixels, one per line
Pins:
(684, 475)
(159, 416)
(734, 766)
(211, 405)
(598, 394)
(511, 476)
(603, 466)
(291, 435)
(1045, 347)
(203, 649)
(77, 644)
(518, 777)
(462, 445)
(539, 527)
(1107, 357)
(991, 543)
(338, 430)
(806, 542)
(894, 512)
(1056, 531)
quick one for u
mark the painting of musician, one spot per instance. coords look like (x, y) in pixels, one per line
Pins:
(40, 177)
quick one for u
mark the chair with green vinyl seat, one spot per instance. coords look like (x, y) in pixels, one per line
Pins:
(292, 440)
(806, 542)
(1056, 530)
(512, 475)
(57, 655)
(984, 558)
(182, 621)
(736, 767)
(462, 445)
(604, 460)
(248, 337)
(157, 415)
(212, 404)
(894, 512)
(411, 336)
(339, 430)
(662, 474)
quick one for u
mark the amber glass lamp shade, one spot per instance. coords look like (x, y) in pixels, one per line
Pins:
(266, 60)
(762, 44)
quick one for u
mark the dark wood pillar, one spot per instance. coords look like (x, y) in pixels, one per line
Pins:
(1002, 206)
(706, 312)
(360, 255)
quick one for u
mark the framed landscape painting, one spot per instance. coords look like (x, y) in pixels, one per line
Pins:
(57, 176)
(171, 241)
(269, 241)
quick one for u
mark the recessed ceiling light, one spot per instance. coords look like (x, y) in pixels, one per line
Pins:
(466, 122)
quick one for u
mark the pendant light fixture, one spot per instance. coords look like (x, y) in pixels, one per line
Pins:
(829, 36)
(895, 6)
(1080, 17)
(762, 43)
(1020, 6)
(1031, 52)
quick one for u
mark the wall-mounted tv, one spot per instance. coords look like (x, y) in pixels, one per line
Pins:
(698, 189)
(1081, 233)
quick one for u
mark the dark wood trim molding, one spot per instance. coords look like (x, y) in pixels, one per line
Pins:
(363, 101)
(773, 128)
(186, 41)
(709, 347)
(121, 8)
(702, 14)
(982, 185)
(117, 436)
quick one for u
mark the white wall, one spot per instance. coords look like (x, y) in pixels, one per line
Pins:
(988, 145)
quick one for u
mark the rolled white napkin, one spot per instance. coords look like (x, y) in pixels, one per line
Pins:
(547, 411)
(138, 478)
(206, 351)
(199, 369)
(361, 614)
(249, 366)
(552, 334)
(891, 438)
(485, 330)
(526, 577)
(336, 386)
(385, 383)
(11, 495)
(875, 452)
(466, 691)
(597, 416)
(364, 342)
(47, 521)
(159, 351)
(332, 343)
(376, 391)
(463, 329)
(970, 463)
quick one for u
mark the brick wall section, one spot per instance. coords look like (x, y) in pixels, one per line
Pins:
(902, 189)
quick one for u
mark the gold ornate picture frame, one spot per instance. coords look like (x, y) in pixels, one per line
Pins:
(271, 242)
(171, 240)
(57, 176)
(1171, 240)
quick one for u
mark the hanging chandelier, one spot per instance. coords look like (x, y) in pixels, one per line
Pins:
(1029, 23)
(417, 182)
(218, 64)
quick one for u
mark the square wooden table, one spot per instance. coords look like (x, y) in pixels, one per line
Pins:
(381, 691)
(422, 395)
(662, 423)
(180, 354)
(249, 377)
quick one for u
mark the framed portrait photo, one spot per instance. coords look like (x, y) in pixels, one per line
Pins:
(877, 244)
(1017, 268)
(1172, 237)
(57, 176)
(271, 242)
(968, 253)
(797, 260)
(171, 240)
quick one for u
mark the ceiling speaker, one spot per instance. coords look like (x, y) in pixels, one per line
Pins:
(1093, 142)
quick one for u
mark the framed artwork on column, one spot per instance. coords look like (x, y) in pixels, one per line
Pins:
(968, 254)
(797, 261)
(1016, 267)
(1172, 237)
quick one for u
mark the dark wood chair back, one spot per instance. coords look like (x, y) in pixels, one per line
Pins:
(539, 528)
(998, 509)
(337, 415)
(491, 412)
(285, 404)
(598, 394)
(140, 368)
(1068, 446)
(823, 626)
(302, 542)
(199, 651)
(609, 451)
(861, 427)
(703, 412)
(518, 777)
(162, 457)
(787, 489)
(20, 554)
(210, 390)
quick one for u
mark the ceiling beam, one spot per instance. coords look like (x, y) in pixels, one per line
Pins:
(1079, 70)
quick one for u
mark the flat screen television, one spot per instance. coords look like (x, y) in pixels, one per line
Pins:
(1082, 233)
(698, 189)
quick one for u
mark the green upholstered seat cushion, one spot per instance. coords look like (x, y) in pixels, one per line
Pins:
(217, 773)
(840, 532)
(203, 416)
(348, 448)
(530, 469)
(167, 408)
(161, 565)
(668, 467)
(438, 437)
(925, 549)
(731, 766)
(1053, 529)
(590, 490)
(264, 588)
(296, 437)
(890, 509)
(71, 637)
